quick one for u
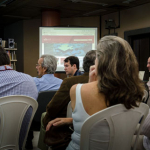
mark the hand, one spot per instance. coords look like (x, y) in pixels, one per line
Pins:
(92, 74)
(59, 122)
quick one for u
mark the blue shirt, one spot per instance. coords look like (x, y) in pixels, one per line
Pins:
(16, 83)
(47, 82)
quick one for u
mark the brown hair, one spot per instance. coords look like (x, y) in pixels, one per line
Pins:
(118, 72)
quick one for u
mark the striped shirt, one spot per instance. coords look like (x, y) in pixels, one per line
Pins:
(16, 83)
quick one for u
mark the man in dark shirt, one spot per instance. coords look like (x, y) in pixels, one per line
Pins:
(71, 66)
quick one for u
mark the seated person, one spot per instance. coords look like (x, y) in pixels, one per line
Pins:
(58, 105)
(144, 137)
(15, 83)
(71, 66)
(46, 67)
(147, 74)
(109, 84)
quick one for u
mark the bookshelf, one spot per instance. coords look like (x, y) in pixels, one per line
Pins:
(12, 55)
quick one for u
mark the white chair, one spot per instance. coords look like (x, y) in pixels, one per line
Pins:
(16, 114)
(69, 110)
(145, 96)
(112, 128)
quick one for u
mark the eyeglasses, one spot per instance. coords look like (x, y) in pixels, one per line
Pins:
(37, 65)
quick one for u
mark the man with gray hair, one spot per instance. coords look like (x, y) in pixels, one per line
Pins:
(46, 67)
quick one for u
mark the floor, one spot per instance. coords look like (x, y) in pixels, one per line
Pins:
(35, 140)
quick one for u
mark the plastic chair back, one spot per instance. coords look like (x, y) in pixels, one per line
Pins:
(145, 97)
(13, 116)
(118, 123)
(43, 99)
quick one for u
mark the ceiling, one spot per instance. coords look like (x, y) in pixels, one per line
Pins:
(14, 10)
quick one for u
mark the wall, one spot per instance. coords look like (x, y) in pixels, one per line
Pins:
(31, 39)
(82, 22)
(15, 31)
(130, 19)
(26, 33)
(31, 45)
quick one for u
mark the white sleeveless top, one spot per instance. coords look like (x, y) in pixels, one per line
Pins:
(100, 133)
(79, 115)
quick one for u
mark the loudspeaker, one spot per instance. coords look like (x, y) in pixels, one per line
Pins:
(1, 42)
(10, 43)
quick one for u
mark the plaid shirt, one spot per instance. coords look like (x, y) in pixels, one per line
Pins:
(16, 83)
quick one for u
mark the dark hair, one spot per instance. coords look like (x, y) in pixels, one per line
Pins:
(4, 58)
(73, 60)
(89, 60)
(117, 72)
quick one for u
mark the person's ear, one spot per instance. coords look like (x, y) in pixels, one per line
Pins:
(44, 69)
(74, 65)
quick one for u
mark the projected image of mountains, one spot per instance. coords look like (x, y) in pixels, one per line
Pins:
(68, 49)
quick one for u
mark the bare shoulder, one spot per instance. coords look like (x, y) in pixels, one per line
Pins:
(73, 89)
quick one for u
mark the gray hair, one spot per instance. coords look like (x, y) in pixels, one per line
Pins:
(49, 62)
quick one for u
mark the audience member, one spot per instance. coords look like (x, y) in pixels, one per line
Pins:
(145, 134)
(112, 80)
(144, 138)
(58, 105)
(148, 64)
(15, 83)
(46, 67)
(71, 65)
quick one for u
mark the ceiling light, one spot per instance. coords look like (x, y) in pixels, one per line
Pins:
(88, 2)
(128, 1)
(94, 12)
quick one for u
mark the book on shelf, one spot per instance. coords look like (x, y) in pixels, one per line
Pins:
(9, 54)
(14, 55)
(13, 66)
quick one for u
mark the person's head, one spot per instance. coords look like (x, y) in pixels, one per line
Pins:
(89, 60)
(148, 63)
(71, 65)
(117, 72)
(4, 58)
(47, 64)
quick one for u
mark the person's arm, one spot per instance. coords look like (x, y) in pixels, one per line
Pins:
(59, 122)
